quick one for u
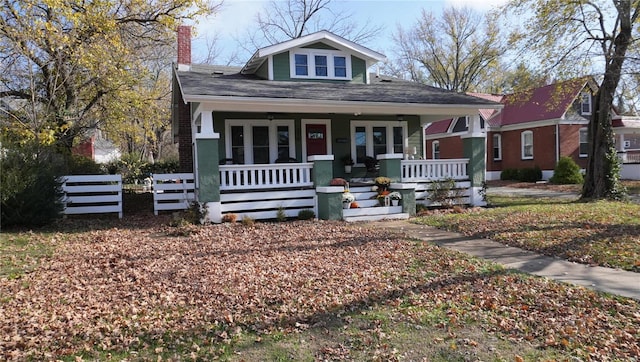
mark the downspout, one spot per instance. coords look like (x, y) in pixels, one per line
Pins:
(557, 141)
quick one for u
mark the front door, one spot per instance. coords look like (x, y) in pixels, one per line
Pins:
(316, 139)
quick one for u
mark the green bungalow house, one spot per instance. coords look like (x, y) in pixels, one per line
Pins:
(271, 135)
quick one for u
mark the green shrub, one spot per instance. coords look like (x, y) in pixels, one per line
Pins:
(566, 172)
(281, 215)
(532, 174)
(444, 192)
(306, 214)
(31, 192)
(529, 174)
(133, 169)
(82, 165)
(509, 174)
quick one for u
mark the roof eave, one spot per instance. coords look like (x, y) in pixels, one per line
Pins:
(294, 105)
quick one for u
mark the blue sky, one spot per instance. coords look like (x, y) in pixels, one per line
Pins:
(238, 15)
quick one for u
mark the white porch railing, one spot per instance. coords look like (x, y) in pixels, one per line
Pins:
(434, 170)
(240, 177)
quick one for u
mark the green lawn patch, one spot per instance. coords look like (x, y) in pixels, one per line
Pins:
(601, 233)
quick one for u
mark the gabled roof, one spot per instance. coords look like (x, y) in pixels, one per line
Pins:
(487, 114)
(324, 36)
(545, 103)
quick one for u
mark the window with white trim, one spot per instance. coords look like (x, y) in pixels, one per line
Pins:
(374, 138)
(585, 103)
(259, 141)
(526, 139)
(584, 142)
(435, 150)
(320, 64)
(301, 65)
(497, 147)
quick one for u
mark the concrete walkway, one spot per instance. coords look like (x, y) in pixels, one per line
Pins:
(608, 280)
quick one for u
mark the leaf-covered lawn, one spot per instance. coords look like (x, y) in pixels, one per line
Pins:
(139, 290)
(602, 233)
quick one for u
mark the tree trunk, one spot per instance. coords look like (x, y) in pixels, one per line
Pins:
(602, 180)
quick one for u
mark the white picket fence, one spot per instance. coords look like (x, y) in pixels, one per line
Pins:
(173, 191)
(92, 194)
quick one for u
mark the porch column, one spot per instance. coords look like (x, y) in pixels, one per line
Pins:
(408, 193)
(391, 166)
(207, 169)
(475, 149)
(322, 171)
(329, 202)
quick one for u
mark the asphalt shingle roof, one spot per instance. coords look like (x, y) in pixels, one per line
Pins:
(204, 82)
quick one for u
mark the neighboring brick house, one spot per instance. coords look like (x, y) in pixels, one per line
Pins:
(535, 128)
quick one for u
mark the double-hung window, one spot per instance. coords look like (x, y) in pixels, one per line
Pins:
(301, 65)
(374, 138)
(435, 150)
(320, 64)
(497, 147)
(585, 103)
(526, 138)
(584, 142)
(259, 141)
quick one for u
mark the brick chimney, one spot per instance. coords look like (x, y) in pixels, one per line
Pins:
(184, 48)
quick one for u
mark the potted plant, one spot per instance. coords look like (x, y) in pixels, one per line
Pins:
(347, 199)
(395, 198)
(382, 183)
(383, 197)
(347, 161)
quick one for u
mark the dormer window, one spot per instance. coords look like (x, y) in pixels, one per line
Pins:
(585, 103)
(320, 64)
(301, 65)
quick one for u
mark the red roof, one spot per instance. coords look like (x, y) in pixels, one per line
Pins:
(544, 103)
(439, 127)
(488, 113)
(548, 102)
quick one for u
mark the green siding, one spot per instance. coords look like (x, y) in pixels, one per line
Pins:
(358, 70)
(414, 132)
(263, 71)
(281, 68)
(319, 45)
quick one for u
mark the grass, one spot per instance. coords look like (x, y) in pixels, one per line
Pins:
(602, 233)
(21, 253)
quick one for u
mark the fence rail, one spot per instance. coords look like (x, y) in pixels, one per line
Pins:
(240, 177)
(92, 194)
(434, 170)
(172, 191)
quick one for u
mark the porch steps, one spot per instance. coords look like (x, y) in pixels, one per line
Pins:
(369, 208)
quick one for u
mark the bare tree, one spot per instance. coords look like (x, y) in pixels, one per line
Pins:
(455, 51)
(290, 19)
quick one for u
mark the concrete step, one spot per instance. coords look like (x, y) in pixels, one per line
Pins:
(400, 216)
(380, 210)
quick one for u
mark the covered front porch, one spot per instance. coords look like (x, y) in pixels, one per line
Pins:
(255, 164)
